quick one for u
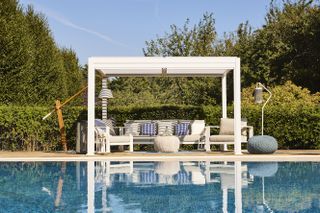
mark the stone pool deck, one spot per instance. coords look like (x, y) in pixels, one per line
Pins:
(281, 155)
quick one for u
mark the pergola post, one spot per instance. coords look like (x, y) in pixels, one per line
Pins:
(238, 186)
(224, 103)
(237, 107)
(90, 186)
(91, 108)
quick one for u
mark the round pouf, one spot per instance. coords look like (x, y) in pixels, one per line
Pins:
(168, 168)
(262, 169)
(166, 144)
(262, 144)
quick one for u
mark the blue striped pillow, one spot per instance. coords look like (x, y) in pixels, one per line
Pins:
(148, 129)
(182, 129)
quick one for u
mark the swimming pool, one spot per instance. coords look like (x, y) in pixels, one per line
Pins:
(164, 186)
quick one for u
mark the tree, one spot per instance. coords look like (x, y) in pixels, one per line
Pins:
(16, 58)
(49, 77)
(295, 31)
(74, 73)
(285, 48)
(33, 69)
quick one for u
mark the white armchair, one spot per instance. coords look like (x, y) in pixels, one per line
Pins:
(104, 140)
(226, 133)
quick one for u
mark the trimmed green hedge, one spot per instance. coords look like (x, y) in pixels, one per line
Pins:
(22, 128)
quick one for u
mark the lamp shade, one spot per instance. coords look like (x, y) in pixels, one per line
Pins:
(105, 93)
(258, 98)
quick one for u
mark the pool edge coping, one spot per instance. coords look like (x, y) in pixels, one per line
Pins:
(169, 158)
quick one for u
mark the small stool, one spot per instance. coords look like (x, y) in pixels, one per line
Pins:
(262, 144)
(166, 143)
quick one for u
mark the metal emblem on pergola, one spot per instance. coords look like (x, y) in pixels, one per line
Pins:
(170, 67)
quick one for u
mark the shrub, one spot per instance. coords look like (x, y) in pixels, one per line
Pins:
(293, 127)
(287, 94)
(22, 128)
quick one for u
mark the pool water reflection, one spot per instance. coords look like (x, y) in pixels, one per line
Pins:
(165, 186)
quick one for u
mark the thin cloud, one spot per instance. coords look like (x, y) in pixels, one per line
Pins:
(70, 24)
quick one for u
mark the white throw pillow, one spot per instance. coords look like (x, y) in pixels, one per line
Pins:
(163, 125)
(132, 128)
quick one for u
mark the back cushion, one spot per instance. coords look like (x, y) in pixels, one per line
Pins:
(182, 129)
(148, 129)
(132, 128)
(226, 126)
(109, 123)
(197, 127)
(102, 125)
(166, 125)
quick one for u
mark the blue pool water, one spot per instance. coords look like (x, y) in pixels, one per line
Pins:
(169, 186)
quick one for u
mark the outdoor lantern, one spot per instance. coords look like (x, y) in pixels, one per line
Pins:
(104, 95)
(258, 95)
(258, 99)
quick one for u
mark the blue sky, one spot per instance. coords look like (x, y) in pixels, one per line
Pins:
(121, 27)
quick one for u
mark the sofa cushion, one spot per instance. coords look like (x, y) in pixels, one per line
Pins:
(109, 123)
(226, 126)
(132, 128)
(225, 138)
(182, 128)
(148, 129)
(103, 124)
(120, 139)
(164, 126)
(197, 127)
(190, 138)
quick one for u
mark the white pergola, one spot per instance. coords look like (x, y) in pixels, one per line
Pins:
(170, 67)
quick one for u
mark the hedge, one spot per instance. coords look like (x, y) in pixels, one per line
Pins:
(22, 128)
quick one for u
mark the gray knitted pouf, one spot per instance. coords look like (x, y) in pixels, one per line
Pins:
(262, 144)
(262, 169)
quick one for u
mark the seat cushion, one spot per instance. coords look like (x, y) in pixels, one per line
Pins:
(182, 129)
(190, 138)
(225, 138)
(119, 139)
(148, 129)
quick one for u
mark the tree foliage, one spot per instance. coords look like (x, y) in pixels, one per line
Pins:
(285, 48)
(33, 69)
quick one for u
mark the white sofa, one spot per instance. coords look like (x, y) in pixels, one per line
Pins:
(196, 132)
